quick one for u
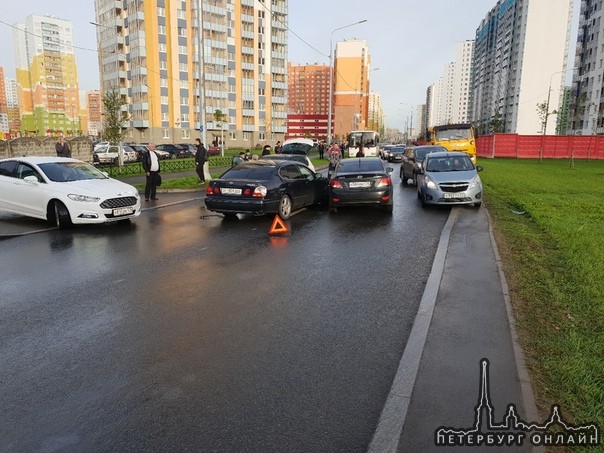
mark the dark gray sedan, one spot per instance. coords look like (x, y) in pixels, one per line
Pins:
(361, 181)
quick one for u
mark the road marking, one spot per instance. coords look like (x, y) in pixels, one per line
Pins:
(390, 425)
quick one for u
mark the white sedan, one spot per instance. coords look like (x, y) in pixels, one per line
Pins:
(64, 191)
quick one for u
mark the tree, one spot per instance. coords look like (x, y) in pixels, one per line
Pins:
(113, 129)
(219, 117)
(496, 124)
(542, 113)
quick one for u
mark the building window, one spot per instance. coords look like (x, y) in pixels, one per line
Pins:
(165, 133)
(185, 134)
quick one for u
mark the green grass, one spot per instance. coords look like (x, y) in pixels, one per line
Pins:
(549, 223)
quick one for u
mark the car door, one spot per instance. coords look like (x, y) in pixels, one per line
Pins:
(29, 195)
(296, 184)
(316, 187)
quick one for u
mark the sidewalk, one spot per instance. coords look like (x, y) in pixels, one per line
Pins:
(464, 317)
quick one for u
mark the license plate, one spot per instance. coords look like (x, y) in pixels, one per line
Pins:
(359, 184)
(122, 211)
(230, 191)
(454, 195)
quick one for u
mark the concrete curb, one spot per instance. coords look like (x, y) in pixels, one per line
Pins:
(526, 389)
(392, 418)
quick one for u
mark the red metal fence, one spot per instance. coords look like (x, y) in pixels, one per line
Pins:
(548, 146)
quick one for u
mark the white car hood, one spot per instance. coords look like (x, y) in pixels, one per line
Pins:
(104, 188)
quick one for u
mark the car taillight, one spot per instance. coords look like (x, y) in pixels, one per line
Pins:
(384, 182)
(247, 192)
(209, 190)
(335, 184)
(259, 192)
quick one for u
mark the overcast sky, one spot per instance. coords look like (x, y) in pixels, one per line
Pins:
(410, 41)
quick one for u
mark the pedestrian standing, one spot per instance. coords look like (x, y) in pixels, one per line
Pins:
(334, 154)
(321, 150)
(278, 147)
(152, 168)
(266, 150)
(247, 155)
(201, 157)
(62, 148)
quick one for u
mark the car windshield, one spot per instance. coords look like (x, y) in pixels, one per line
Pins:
(296, 148)
(255, 172)
(71, 171)
(452, 134)
(456, 163)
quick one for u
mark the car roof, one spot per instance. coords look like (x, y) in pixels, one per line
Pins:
(446, 154)
(356, 164)
(36, 160)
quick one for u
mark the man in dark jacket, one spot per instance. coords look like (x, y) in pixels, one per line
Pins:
(62, 148)
(151, 166)
(201, 157)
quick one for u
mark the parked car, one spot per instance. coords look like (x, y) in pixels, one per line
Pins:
(213, 151)
(449, 178)
(175, 151)
(413, 161)
(100, 145)
(64, 191)
(110, 154)
(261, 187)
(303, 159)
(361, 182)
(189, 148)
(395, 154)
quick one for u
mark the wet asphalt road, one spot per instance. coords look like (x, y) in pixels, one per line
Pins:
(181, 332)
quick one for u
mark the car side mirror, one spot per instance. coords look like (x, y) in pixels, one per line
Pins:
(389, 170)
(31, 178)
(479, 168)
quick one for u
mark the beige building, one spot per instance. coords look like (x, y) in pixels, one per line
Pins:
(351, 88)
(150, 53)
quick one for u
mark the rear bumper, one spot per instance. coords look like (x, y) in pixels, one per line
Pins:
(360, 198)
(254, 206)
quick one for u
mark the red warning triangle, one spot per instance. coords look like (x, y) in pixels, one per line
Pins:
(278, 226)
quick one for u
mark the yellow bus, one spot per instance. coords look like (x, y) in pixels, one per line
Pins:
(455, 137)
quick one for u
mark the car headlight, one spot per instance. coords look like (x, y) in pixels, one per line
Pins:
(474, 182)
(83, 198)
(430, 184)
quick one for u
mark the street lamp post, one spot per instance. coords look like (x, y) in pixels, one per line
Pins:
(330, 101)
(547, 112)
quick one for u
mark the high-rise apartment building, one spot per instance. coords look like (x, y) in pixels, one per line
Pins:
(47, 78)
(308, 101)
(521, 49)
(351, 88)
(12, 105)
(375, 113)
(150, 53)
(450, 100)
(93, 99)
(4, 127)
(586, 105)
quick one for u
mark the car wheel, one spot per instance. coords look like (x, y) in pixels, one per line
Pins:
(423, 200)
(388, 208)
(61, 215)
(230, 216)
(477, 205)
(172, 156)
(285, 207)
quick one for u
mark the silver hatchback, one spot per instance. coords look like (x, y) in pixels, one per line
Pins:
(449, 178)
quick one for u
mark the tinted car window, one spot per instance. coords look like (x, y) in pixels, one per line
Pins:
(290, 172)
(360, 164)
(70, 171)
(296, 148)
(7, 168)
(249, 172)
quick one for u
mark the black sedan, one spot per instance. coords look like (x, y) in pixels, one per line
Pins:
(395, 154)
(361, 182)
(175, 151)
(260, 187)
